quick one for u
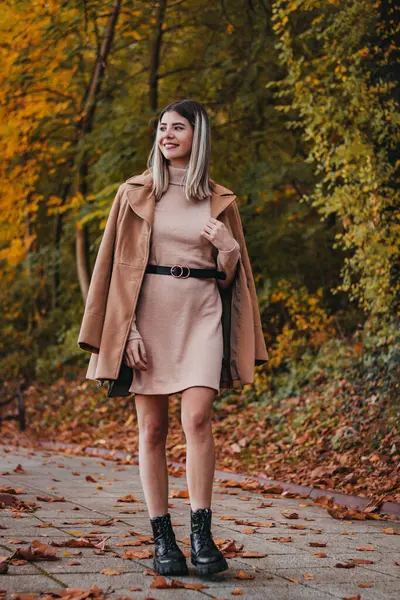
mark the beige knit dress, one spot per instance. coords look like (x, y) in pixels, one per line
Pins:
(179, 320)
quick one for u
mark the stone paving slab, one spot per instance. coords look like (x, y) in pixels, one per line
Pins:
(27, 583)
(270, 591)
(289, 570)
(384, 590)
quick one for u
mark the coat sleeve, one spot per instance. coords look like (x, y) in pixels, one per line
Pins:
(227, 261)
(133, 332)
(260, 350)
(95, 306)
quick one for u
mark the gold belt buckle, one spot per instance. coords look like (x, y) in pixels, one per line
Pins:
(180, 276)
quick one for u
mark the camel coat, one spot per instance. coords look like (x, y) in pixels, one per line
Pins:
(117, 277)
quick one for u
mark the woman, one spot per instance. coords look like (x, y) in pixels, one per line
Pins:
(175, 342)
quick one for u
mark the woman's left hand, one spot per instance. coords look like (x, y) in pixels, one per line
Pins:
(217, 233)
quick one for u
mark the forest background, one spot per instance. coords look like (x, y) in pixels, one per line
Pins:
(304, 107)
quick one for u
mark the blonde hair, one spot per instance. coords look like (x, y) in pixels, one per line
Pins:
(196, 179)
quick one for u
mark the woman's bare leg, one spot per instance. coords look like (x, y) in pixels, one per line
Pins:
(196, 412)
(152, 413)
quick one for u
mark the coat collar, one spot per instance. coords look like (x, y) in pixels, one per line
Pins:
(141, 199)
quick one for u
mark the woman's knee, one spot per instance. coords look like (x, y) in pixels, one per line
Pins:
(153, 432)
(196, 411)
(152, 419)
(196, 422)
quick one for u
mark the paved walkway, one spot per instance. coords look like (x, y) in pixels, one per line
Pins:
(291, 565)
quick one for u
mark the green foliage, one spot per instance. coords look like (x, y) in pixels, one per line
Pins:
(340, 93)
(50, 365)
(37, 337)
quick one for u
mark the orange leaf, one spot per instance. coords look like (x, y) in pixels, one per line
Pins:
(243, 575)
(110, 572)
(179, 494)
(362, 561)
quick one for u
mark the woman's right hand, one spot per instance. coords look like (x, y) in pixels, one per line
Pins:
(135, 354)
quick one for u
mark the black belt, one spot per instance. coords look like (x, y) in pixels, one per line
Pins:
(183, 272)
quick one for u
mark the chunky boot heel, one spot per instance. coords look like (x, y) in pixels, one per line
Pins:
(168, 557)
(204, 554)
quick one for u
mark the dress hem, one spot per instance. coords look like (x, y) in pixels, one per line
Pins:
(181, 389)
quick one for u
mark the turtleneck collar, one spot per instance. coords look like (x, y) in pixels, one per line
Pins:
(176, 174)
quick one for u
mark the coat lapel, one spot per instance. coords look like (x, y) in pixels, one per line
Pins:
(142, 201)
(219, 201)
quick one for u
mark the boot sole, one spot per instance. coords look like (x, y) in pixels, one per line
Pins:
(175, 568)
(216, 567)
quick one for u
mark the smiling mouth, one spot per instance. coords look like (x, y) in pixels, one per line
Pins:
(170, 145)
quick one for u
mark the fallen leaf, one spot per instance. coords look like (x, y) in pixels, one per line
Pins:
(50, 499)
(289, 514)
(128, 498)
(137, 554)
(19, 469)
(6, 489)
(243, 575)
(179, 494)
(391, 531)
(110, 572)
(247, 530)
(36, 551)
(362, 561)
(104, 523)
(317, 544)
(230, 546)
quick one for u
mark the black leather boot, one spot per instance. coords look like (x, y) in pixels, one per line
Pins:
(204, 554)
(168, 557)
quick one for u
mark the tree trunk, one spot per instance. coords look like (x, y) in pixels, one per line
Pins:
(155, 49)
(89, 104)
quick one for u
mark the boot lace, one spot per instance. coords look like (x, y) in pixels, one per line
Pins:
(203, 534)
(168, 535)
(205, 538)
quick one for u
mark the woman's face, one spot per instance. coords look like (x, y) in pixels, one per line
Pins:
(174, 137)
